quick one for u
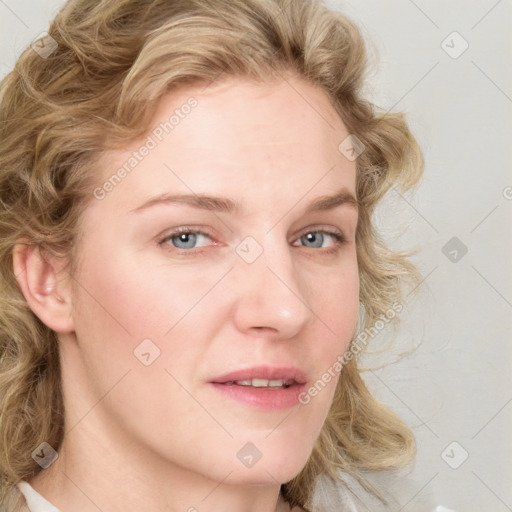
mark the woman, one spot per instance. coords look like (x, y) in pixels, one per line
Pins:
(188, 257)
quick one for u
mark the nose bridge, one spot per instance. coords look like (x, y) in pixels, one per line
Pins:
(270, 294)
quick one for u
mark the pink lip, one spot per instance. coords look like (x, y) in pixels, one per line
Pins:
(263, 372)
(262, 398)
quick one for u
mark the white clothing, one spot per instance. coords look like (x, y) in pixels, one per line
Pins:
(35, 502)
(327, 499)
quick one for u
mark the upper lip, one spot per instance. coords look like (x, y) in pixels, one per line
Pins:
(263, 372)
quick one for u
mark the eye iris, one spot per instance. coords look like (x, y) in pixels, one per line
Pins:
(189, 239)
(316, 238)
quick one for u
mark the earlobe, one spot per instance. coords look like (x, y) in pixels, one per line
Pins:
(45, 286)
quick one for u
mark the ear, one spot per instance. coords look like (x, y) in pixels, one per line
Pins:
(45, 286)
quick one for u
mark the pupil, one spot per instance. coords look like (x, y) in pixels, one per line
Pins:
(188, 239)
(315, 239)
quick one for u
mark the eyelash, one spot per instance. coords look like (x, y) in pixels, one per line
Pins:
(338, 237)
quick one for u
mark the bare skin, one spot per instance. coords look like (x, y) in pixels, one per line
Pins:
(158, 437)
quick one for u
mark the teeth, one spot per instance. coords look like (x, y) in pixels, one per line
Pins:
(260, 383)
(264, 383)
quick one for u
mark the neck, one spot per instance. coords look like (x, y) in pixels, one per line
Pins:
(105, 466)
(123, 479)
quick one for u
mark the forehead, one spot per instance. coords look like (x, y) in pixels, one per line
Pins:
(239, 134)
(255, 112)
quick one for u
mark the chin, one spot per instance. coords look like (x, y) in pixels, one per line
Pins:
(278, 467)
(265, 476)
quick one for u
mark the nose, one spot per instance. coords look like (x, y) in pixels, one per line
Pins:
(270, 294)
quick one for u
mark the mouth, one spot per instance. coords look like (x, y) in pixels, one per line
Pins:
(262, 387)
(262, 383)
(263, 376)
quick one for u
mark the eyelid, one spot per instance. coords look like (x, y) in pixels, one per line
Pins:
(336, 233)
(183, 229)
(320, 228)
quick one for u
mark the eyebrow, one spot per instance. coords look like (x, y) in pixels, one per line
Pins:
(225, 205)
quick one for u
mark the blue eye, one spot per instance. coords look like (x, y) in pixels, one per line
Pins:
(316, 238)
(185, 239)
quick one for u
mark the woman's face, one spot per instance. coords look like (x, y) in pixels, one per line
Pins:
(162, 318)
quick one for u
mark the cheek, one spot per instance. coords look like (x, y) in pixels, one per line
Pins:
(335, 302)
(119, 304)
(113, 314)
(125, 310)
(121, 295)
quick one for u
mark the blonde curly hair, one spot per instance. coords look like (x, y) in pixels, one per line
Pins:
(114, 60)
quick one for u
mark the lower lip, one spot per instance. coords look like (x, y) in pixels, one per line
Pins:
(262, 398)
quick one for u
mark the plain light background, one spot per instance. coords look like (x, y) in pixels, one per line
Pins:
(455, 389)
